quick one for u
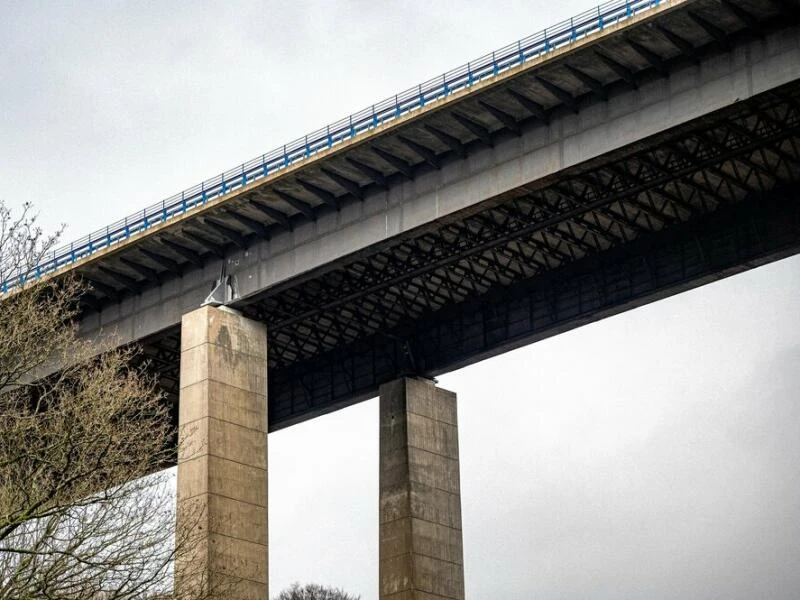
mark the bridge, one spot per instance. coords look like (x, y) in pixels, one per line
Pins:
(638, 150)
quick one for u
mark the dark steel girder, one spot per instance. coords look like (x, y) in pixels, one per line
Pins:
(663, 264)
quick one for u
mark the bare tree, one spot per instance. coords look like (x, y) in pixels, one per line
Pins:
(313, 591)
(78, 517)
(23, 244)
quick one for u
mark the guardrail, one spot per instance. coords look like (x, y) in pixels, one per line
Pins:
(386, 111)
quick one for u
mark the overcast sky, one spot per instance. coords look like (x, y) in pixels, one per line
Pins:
(650, 455)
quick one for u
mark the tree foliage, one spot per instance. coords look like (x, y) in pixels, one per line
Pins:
(79, 430)
(313, 591)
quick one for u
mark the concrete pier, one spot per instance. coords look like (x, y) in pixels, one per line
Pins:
(222, 458)
(421, 550)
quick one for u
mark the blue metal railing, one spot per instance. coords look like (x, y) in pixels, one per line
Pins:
(330, 136)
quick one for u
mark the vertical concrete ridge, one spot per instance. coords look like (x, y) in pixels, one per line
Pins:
(421, 553)
(222, 456)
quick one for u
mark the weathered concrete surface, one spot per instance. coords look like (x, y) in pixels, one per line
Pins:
(627, 117)
(420, 549)
(222, 456)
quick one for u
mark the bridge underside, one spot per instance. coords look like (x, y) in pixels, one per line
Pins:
(695, 204)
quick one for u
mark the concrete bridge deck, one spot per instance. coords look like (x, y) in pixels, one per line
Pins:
(655, 154)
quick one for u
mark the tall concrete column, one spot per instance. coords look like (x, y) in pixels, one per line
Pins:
(222, 457)
(421, 550)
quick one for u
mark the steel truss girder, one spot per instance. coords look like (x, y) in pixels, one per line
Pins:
(452, 295)
(611, 205)
(661, 264)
